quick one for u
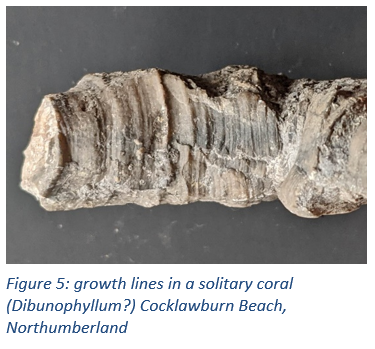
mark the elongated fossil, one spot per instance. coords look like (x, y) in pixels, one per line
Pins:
(236, 136)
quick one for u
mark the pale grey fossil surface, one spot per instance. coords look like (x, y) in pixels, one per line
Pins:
(237, 136)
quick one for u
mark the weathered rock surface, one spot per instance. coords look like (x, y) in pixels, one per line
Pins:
(236, 136)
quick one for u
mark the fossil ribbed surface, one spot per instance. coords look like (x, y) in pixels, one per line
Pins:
(236, 136)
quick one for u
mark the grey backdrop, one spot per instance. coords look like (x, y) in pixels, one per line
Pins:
(50, 49)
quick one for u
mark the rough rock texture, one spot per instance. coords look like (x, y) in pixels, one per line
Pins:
(236, 136)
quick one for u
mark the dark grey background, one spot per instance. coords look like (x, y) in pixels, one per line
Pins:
(50, 49)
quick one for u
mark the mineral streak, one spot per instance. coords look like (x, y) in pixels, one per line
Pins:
(236, 136)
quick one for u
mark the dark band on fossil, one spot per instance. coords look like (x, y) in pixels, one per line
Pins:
(236, 136)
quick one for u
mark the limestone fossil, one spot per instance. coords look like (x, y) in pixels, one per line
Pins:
(236, 136)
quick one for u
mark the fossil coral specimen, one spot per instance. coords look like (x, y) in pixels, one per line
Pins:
(236, 136)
